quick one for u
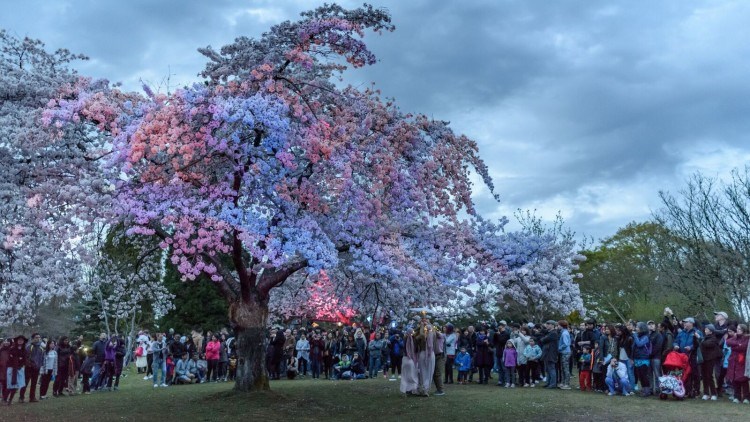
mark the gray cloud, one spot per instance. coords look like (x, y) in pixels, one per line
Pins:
(583, 107)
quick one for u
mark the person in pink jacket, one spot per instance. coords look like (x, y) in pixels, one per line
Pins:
(510, 360)
(213, 349)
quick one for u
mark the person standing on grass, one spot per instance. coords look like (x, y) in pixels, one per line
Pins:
(317, 349)
(482, 356)
(98, 348)
(64, 363)
(738, 342)
(711, 351)
(642, 358)
(520, 338)
(439, 368)
(688, 340)
(119, 362)
(451, 341)
(49, 369)
(223, 357)
(15, 373)
(585, 361)
(212, 356)
(397, 354)
(510, 361)
(657, 347)
(159, 366)
(86, 370)
(564, 351)
(550, 346)
(532, 353)
(34, 364)
(5, 345)
(409, 374)
(374, 348)
(303, 354)
(463, 362)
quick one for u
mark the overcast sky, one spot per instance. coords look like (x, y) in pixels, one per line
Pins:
(586, 108)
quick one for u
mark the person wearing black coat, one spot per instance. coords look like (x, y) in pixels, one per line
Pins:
(277, 350)
(64, 354)
(4, 356)
(550, 353)
(499, 340)
(712, 352)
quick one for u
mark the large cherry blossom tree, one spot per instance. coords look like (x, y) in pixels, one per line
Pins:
(51, 184)
(270, 169)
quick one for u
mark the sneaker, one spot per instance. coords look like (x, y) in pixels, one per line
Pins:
(746, 401)
(507, 385)
(512, 386)
(43, 398)
(156, 385)
(610, 394)
(146, 377)
(714, 398)
(164, 385)
(21, 400)
(533, 385)
(439, 393)
(705, 397)
(565, 387)
(735, 401)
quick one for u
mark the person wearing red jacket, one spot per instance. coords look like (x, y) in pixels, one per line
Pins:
(213, 349)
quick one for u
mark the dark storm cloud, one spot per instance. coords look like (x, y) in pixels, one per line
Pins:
(584, 107)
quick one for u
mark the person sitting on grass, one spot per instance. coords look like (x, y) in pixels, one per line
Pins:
(183, 375)
(617, 377)
(358, 366)
(291, 367)
(195, 369)
(344, 365)
(201, 366)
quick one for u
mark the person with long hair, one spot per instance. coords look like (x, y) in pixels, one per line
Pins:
(738, 342)
(15, 372)
(49, 371)
(64, 353)
(409, 374)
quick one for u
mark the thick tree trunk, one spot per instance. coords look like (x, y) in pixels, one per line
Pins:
(249, 318)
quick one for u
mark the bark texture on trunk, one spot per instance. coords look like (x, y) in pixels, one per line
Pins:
(249, 318)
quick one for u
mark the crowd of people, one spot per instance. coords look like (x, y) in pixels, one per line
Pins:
(713, 358)
(709, 359)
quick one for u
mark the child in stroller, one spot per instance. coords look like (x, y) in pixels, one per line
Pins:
(675, 371)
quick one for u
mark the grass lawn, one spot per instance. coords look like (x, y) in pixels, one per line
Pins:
(371, 400)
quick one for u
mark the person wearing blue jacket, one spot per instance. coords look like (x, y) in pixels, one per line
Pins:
(463, 362)
(642, 357)
(688, 341)
(396, 343)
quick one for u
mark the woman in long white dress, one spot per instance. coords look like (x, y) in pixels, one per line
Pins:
(409, 375)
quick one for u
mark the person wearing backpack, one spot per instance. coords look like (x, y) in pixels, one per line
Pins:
(642, 358)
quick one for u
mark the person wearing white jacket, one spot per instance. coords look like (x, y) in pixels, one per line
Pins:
(303, 354)
(521, 338)
(617, 375)
(49, 370)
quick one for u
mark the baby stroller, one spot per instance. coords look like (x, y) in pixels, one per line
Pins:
(675, 372)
